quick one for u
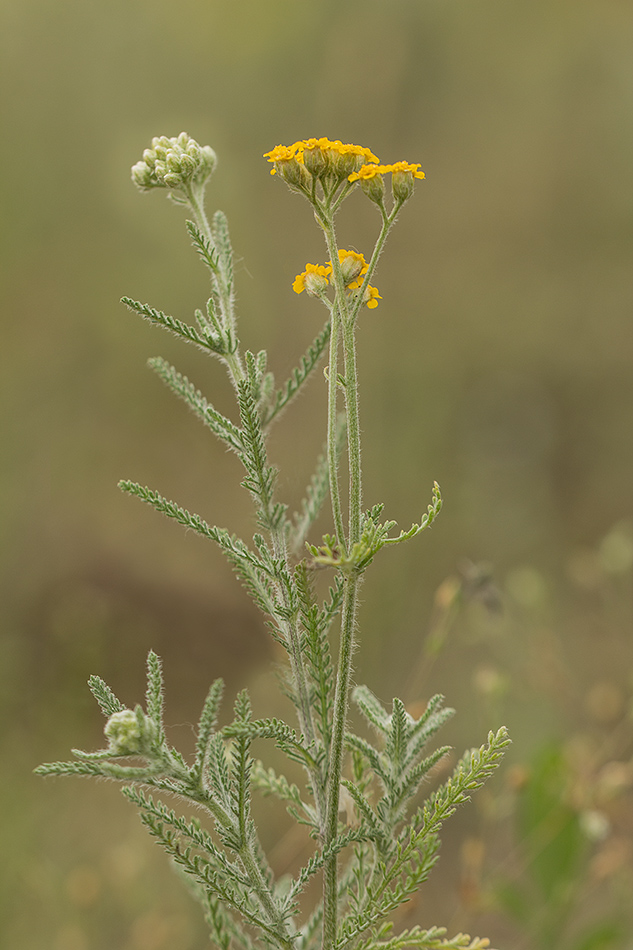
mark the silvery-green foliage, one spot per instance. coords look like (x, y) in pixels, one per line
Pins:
(374, 861)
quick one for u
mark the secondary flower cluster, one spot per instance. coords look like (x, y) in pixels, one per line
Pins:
(367, 172)
(314, 279)
(173, 163)
(402, 175)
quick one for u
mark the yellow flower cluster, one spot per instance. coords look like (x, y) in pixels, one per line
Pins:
(367, 172)
(314, 278)
(302, 164)
(331, 152)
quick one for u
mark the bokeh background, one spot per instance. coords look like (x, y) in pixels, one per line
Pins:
(499, 363)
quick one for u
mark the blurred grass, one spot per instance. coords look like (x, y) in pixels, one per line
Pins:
(499, 362)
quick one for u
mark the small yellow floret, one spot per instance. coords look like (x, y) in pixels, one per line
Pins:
(312, 271)
(372, 297)
(280, 153)
(406, 167)
(367, 172)
(353, 267)
(355, 255)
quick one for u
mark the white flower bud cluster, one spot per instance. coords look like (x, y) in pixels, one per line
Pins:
(174, 163)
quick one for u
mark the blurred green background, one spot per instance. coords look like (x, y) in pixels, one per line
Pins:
(499, 362)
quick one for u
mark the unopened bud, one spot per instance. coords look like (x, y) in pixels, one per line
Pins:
(402, 175)
(374, 188)
(142, 176)
(294, 174)
(316, 161)
(174, 163)
(129, 732)
(370, 177)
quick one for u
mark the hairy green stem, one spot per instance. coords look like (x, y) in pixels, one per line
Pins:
(332, 427)
(262, 890)
(341, 703)
(233, 361)
(352, 581)
(340, 317)
(293, 640)
(353, 433)
(387, 223)
(304, 706)
(195, 197)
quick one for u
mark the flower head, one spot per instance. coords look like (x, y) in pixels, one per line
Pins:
(174, 163)
(280, 154)
(371, 297)
(367, 172)
(353, 267)
(370, 177)
(405, 168)
(313, 280)
(402, 175)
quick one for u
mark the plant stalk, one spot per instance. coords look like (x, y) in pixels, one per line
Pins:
(352, 581)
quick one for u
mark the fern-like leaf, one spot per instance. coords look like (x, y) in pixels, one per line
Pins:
(225, 250)
(208, 254)
(206, 725)
(247, 565)
(108, 702)
(155, 693)
(222, 427)
(315, 622)
(260, 476)
(207, 342)
(299, 375)
(285, 737)
(372, 709)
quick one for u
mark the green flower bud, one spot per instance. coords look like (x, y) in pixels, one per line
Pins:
(402, 180)
(295, 174)
(316, 162)
(344, 163)
(142, 176)
(374, 188)
(129, 732)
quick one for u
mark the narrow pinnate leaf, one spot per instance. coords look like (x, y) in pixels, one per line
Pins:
(372, 709)
(204, 247)
(260, 476)
(225, 249)
(105, 697)
(179, 384)
(309, 361)
(155, 690)
(207, 723)
(176, 326)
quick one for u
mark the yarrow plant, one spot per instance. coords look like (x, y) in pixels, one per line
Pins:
(376, 859)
